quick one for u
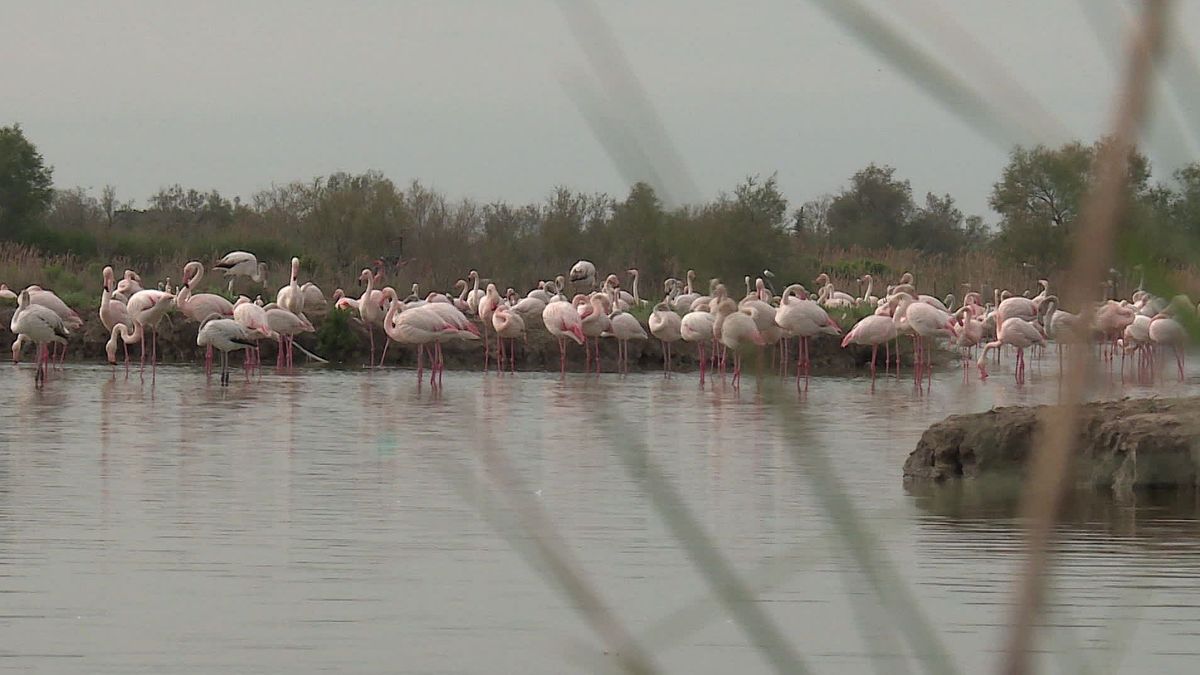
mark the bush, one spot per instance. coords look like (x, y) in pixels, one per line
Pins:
(336, 339)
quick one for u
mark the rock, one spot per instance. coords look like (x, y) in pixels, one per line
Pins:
(1126, 445)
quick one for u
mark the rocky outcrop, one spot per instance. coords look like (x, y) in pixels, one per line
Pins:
(1125, 445)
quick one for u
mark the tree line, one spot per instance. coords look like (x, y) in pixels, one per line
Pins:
(343, 221)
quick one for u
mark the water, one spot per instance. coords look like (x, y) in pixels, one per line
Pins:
(324, 521)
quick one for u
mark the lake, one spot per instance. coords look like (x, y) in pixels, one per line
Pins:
(334, 521)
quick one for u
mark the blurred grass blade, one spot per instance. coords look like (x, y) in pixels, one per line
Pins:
(1050, 465)
(724, 582)
(938, 25)
(638, 141)
(907, 617)
(954, 94)
(1110, 21)
(543, 548)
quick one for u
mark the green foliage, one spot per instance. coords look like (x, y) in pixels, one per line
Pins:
(847, 269)
(1042, 190)
(336, 338)
(25, 184)
(873, 211)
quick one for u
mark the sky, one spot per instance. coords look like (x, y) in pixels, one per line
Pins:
(491, 99)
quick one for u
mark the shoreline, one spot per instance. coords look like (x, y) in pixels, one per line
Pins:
(539, 353)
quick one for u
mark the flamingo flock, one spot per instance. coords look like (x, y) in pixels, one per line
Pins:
(721, 327)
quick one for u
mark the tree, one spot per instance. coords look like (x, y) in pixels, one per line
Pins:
(936, 227)
(873, 211)
(1041, 192)
(25, 183)
(810, 222)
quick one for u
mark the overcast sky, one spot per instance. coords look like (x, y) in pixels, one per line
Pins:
(469, 97)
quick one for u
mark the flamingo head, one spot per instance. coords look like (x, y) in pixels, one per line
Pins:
(576, 333)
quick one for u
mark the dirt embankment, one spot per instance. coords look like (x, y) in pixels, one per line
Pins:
(177, 344)
(1125, 446)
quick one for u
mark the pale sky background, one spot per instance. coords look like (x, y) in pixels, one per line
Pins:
(469, 97)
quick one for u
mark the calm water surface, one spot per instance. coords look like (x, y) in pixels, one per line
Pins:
(326, 521)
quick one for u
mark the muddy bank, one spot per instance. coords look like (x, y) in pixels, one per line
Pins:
(1123, 446)
(177, 344)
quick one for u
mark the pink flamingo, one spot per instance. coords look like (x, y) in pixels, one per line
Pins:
(508, 325)
(487, 305)
(734, 329)
(665, 325)
(697, 327)
(286, 326)
(562, 321)
(1019, 333)
(146, 309)
(804, 319)
(200, 306)
(112, 311)
(1165, 330)
(40, 325)
(625, 327)
(873, 330)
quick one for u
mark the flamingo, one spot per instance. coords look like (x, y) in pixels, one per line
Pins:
(828, 296)
(509, 325)
(1136, 339)
(667, 326)
(290, 297)
(40, 325)
(418, 326)
(242, 264)
(487, 305)
(802, 318)
(530, 306)
(924, 321)
(254, 318)
(146, 309)
(635, 274)
(1110, 321)
(683, 302)
(286, 326)
(475, 294)
(201, 305)
(873, 330)
(313, 301)
(624, 327)
(562, 321)
(868, 297)
(593, 316)
(542, 292)
(224, 335)
(113, 312)
(8, 294)
(697, 327)
(1164, 330)
(1020, 334)
(47, 299)
(583, 273)
(370, 308)
(734, 329)
(130, 283)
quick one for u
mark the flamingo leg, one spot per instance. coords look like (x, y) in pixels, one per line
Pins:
(387, 342)
(487, 349)
(700, 348)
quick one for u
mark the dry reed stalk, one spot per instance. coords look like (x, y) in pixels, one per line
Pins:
(1051, 464)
